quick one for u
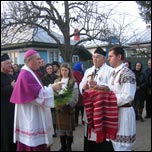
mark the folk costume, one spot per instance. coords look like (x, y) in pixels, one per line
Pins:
(102, 113)
(33, 127)
(123, 84)
(65, 114)
(101, 76)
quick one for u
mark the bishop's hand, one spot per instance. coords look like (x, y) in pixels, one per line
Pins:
(56, 86)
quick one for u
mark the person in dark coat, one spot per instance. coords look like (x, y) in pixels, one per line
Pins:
(7, 108)
(140, 95)
(148, 89)
(49, 77)
(56, 67)
(16, 70)
(41, 70)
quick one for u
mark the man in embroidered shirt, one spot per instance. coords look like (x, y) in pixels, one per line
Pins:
(97, 76)
(33, 127)
(123, 84)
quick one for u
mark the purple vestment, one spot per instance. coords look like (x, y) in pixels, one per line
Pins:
(26, 88)
(23, 147)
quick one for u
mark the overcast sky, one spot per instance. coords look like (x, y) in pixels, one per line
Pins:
(129, 9)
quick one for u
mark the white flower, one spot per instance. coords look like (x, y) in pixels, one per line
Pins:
(62, 91)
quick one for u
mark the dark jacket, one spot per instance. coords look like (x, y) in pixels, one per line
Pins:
(148, 81)
(7, 114)
(48, 79)
(141, 85)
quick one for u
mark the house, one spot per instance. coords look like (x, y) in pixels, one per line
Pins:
(31, 38)
(39, 40)
(139, 46)
(81, 54)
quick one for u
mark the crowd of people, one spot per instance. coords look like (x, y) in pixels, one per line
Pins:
(41, 101)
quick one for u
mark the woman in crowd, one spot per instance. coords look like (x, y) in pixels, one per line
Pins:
(49, 78)
(139, 99)
(65, 101)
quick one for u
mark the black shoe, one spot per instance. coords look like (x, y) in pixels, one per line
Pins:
(69, 143)
(147, 117)
(137, 118)
(55, 135)
(62, 149)
(69, 149)
(141, 119)
(76, 124)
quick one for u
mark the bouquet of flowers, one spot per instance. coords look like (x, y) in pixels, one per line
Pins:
(62, 97)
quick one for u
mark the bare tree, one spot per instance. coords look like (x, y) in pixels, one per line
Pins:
(37, 15)
(45, 15)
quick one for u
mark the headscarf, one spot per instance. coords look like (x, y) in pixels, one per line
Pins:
(4, 57)
(78, 67)
(56, 63)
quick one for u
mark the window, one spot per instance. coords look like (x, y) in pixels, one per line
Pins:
(75, 58)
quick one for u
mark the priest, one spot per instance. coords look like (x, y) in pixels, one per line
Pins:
(7, 108)
(33, 127)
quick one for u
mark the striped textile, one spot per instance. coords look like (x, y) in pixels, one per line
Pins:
(102, 113)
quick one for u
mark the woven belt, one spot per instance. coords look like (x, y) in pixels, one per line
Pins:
(125, 105)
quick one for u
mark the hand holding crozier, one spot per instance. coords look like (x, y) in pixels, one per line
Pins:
(92, 83)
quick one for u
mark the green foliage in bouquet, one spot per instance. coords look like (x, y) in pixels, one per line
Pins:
(64, 98)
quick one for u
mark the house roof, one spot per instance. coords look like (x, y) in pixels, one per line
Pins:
(27, 45)
(142, 37)
(30, 35)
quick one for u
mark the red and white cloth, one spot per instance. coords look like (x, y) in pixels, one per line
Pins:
(102, 113)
